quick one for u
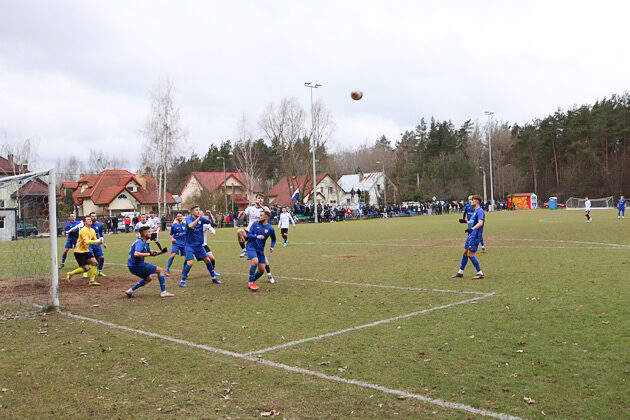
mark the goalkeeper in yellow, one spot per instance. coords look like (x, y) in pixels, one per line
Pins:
(85, 259)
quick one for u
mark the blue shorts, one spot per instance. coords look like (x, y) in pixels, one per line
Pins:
(178, 250)
(96, 250)
(143, 270)
(70, 242)
(254, 253)
(197, 252)
(472, 243)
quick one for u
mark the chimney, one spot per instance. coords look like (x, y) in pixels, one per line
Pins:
(141, 179)
(10, 157)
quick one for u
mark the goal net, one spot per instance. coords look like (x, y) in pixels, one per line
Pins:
(574, 203)
(28, 244)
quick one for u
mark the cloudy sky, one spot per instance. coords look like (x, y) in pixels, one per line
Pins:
(77, 75)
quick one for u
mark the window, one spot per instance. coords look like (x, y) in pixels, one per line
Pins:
(1, 222)
(347, 201)
(2, 204)
(122, 197)
(329, 190)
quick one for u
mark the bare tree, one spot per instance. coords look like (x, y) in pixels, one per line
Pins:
(99, 161)
(164, 138)
(20, 154)
(247, 158)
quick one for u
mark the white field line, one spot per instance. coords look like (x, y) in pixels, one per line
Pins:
(295, 369)
(349, 283)
(371, 324)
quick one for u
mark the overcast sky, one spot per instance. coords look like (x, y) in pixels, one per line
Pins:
(77, 75)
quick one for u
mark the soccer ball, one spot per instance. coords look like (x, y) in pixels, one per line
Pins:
(356, 94)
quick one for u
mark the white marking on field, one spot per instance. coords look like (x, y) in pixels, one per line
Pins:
(295, 369)
(371, 324)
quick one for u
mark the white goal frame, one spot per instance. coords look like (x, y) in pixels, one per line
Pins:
(52, 223)
(574, 203)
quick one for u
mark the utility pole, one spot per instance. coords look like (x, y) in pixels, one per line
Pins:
(489, 114)
(313, 146)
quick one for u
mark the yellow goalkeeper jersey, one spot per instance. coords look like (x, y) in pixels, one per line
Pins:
(86, 234)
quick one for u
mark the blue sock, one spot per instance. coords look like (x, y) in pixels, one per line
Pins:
(464, 262)
(63, 258)
(252, 273)
(185, 271)
(170, 262)
(257, 276)
(475, 263)
(137, 285)
(101, 263)
(210, 268)
(482, 242)
(162, 281)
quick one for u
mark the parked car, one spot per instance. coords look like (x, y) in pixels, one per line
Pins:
(26, 229)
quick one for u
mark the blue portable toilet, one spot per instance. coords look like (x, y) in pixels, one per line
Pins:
(553, 203)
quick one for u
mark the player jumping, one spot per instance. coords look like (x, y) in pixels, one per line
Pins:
(621, 207)
(139, 250)
(256, 238)
(469, 210)
(194, 244)
(475, 233)
(85, 259)
(73, 235)
(253, 213)
(284, 220)
(178, 238)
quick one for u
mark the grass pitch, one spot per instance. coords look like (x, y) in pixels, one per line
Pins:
(551, 341)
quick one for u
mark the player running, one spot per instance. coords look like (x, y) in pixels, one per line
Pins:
(621, 207)
(85, 259)
(587, 210)
(139, 250)
(194, 245)
(469, 210)
(73, 235)
(154, 223)
(283, 222)
(256, 239)
(475, 233)
(178, 238)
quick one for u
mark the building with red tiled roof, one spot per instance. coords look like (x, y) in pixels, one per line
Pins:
(112, 192)
(327, 189)
(8, 166)
(212, 182)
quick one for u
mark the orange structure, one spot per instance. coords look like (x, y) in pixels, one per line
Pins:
(522, 201)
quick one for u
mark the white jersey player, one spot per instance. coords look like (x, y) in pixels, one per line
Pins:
(284, 221)
(587, 210)
(253, 214)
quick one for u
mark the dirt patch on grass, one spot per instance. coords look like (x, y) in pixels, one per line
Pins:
(346, 256)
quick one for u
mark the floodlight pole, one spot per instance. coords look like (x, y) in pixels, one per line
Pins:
(313, 146)
(485, 198)
(489, 114)
(224, 182)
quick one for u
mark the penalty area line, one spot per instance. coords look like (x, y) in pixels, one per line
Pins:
(371, 324)
(295, 369)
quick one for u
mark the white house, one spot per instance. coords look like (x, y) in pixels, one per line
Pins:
(371, 183)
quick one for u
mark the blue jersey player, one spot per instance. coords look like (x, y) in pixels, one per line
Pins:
(256, 239)
(475, 233)
(194, 245)
(469, 210)
(136, 265)
(621, 207)
(73, 234)
(178, 238)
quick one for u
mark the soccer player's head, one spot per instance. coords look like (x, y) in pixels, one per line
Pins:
(87, 221)
(195, 211)
(622, 197)
(470, 199)
(476, 199)
(265, 214)
(143, 218)
(151, 214)
(145, 232)
(179, 216)
(93, 216)
(73, 217)
(586, 198)
(284, 209)
(259, 199)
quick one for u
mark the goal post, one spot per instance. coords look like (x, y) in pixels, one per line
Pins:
(574, 203)
(29, 279)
